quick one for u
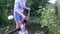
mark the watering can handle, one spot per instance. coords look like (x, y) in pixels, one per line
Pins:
(29, 12)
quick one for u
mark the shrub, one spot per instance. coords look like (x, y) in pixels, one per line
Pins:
(48, 19)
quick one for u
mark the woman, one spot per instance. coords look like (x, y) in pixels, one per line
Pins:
(19, 7)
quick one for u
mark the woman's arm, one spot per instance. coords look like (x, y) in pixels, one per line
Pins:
(26, 8)
(17, 11)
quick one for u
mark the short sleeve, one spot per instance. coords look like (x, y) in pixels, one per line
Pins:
(16, 5)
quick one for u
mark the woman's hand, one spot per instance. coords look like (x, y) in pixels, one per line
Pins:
(24, 17)
(28, 9)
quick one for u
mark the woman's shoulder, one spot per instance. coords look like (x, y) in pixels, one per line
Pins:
(17, 1)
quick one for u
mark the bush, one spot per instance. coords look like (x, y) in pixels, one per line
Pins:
(57, 8)
(4, 12)
(48, 19)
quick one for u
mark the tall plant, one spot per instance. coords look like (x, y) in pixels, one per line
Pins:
(48, 19)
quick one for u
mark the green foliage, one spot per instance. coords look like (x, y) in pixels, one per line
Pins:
(58, 31)
(4, 5)
(57, 8)
(35, 6)
(48, 19)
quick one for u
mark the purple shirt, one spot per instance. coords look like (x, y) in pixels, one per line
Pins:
(19, 5)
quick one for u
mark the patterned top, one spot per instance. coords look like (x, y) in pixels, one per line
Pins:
(19, 4)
